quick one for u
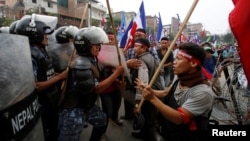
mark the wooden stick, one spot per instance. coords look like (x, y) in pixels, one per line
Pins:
(114, 31)
(73, 51)
(70, 60)
(83, 14)
(171, 47)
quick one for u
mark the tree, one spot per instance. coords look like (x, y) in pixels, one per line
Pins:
(5, 21)
(228, 38)
(108, 25)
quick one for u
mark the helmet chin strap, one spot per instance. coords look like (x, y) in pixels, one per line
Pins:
(32, 20)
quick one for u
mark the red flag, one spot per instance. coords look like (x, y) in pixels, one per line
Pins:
(203, 32)
(131, 36)
(138, 22)
(239, 19)
(103, 21)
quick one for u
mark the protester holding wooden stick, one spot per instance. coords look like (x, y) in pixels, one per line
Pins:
(187, 105)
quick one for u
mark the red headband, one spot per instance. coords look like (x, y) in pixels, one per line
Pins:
(189, 57)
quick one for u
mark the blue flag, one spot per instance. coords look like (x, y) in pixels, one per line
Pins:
(125, 35)
(159, 30)
(142, 15)
(122, 26)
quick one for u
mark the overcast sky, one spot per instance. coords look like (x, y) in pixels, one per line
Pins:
(213, 14)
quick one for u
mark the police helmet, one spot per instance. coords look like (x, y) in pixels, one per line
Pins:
(71, 31)
(65, 33)
(61, 36)
(86, 37)
(12, 29)
(34, 30)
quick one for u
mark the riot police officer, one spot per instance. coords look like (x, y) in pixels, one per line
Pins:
(37, 32)
(61, 49)
(84, 86)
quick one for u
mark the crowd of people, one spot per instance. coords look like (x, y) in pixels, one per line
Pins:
(70, 79)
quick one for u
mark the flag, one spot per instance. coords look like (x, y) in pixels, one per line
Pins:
(195, 38)
(125, 35)
(122, 26)
(203, 32)
(103, 21)
(150, 36)
(179, 20)
(138, 22)
(214, 40)
(159, 30)
(179, 24)
(239, 19)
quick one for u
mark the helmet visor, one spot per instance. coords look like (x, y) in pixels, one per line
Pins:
(47, 30)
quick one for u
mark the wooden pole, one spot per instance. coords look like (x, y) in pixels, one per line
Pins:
(83, 15)
(114, 31)
(73, 51)
(171, 47)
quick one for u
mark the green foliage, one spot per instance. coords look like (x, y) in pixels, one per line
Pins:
(108, 25)
(5, 21)
(95, 22)
(228, 38)
(171, 36)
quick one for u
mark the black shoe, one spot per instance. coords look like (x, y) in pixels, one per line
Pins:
(117, 122)
(137, 135)
(127, 117)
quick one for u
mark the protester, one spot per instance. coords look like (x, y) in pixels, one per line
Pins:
(132, 62)
(83, 87)
(211, 64)
(46, 80)
(145, 72)
(187, 104)
(111, 97)
(165, 43)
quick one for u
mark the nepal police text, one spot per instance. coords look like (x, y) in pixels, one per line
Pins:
(24, 117)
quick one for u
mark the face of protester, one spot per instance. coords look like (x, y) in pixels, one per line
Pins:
(183, 64)
(140, 35)
(139, 48)
(95, 49)
(111, 39)
(164, 44)
(208, 54)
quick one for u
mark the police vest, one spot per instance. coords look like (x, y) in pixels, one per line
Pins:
(45, 71)
(82, 78)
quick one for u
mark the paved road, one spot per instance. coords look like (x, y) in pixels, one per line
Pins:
(115, 133)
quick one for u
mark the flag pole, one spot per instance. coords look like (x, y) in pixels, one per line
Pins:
(171, 47)
(113, 28)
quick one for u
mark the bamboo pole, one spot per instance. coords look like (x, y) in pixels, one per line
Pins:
(171, 47)
(83, 14)
(114, 31)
